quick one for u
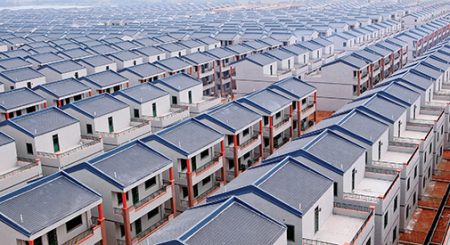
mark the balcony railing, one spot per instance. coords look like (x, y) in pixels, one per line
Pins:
(30, 163)
(138, 123)
(86, 142)
(248, 142)
(150, 230)
(215, 159)
(309, 105)
(174, 111)
(360, 197)
(208, 192)
(315, 242)
(283, 141)
(79, 239)
(284, 121)
(162, 190)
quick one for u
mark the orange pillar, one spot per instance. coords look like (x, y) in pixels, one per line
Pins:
(189, 183)
(59, 103)
(126, 219)
(291, 130)
(45, 104)
(261, 146)
(31, 242)
(236, 159)
(101, 223)
(299, 119)
(359, 84)
(198, 72)
(315, 104)
(224, 170)
(271, 146)
(7, 116)
(172, 184)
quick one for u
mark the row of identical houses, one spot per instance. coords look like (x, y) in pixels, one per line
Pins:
(88, 143)
(354, 178)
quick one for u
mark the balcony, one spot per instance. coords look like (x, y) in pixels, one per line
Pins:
(308, 109)
(93, 235)
(88, 146)
(137, 128)
(204, 170)
(175, 114)
(203, 105)
(346, 225)
(207, 193)
(301, 69)
(25, 170)
(150, 230)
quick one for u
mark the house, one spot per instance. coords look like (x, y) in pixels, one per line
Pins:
(75, 54)
(63, 222)
(193, 46)
(303, 97)
(152, 103)
(241, 51)
(19, 102)
(16, 172)
(175, 65)
(315, 54)
(108, 118)
(173, 49)
(376, 68)
(243, 135)
(344, 162)
(63, 70)
(212, 216)
(126, 59)
(13, 63)
(151, 54)
(52, 136)
(97, 63)
(41, 59)
(209, 42)
(142, 73)
(223, 69)
(197, 152)
(204, 70)
(257, 46)
(187, 91)
(328, 54)
(21, 78)
(63, 92)
(339, 82)
(276, 111)
(259, 71)
(146, 183)
(308, 211)
(105, 82)
(228, 38)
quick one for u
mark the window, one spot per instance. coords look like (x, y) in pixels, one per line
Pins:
(183, 164)
(407, 211)
(344, 44)
(278, 115)
(76, 75)
(290, 233)
(206, 180)
(150, 183)
(134, 62)
(55, 140)
(335, 189)
(245, 132)
(119, 197)
(386, 220)
(204, 153)
(29, 148)
(415, 172)
(153, 213)
(271, 70)
(394, 235)
(107, 68)
(408, 184)
(431, 148)
(316, 219)
(158, 57)
(74, 223)
(395, 203)
(185, 191)
(369, 242)
(414, 198)
(136, 113)
(174, 100)
(122, 231)
(266, 120)
(230, 164)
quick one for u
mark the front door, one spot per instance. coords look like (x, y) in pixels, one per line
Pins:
(138, 225)
(56, 143)
(190, 97)
(52, 238)
(154, 109)
(135, 193)
(316, 219)
(110, 124)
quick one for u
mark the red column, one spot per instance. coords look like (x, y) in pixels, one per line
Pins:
(270, 135)
(101, 223)
(236, 159)
(45, 104)
(215, 80)
(90, 93)
(126, 219)
(359, 83)
(392, 63)
(190, 70)
(382, 69)
(224, 170)
(164, 74)
(172, 184)
(291, 131)
(299, 119)
(31, 242)
(315, 105)
(198, 72)
(7, 116)
(59, 103)
(189, 183)
(261, 147)
(231, 81)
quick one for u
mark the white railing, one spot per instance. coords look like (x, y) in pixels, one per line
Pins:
(86, 142)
